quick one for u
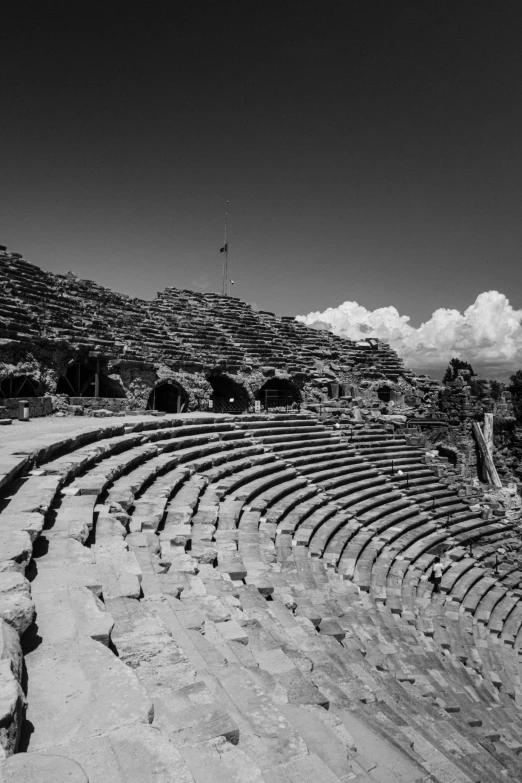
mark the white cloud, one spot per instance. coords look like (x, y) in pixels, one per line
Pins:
(488, 333)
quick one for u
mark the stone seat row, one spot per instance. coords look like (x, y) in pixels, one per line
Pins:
(355, 689)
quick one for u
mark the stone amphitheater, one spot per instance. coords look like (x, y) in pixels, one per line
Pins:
(239, 596)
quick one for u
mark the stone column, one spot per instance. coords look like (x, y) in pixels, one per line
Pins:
(486, 456)
(487, 431)
(97, 379)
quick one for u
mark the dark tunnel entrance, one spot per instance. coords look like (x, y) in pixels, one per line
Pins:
(78, 381)
(228, 396)
(278, 393)
(168, 396)
(89, 379)
(18, 386)
(384, 393)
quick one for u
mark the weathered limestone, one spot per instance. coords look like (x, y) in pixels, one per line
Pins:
(44, 768)
(30, 522)
(135, 753)
(12, 704)
(265, 665)
(15, 550)
(67, 564)
(75, 517)
(16, 604)
(10, 649)
(79, 690)
(64, 615)
(145, 644)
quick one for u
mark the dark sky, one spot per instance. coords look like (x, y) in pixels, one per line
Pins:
(369, 151)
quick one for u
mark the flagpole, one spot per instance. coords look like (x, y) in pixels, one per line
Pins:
(224, 250)
(225, 288)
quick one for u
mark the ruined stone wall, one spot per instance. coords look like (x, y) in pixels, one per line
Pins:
(38, 406)
(48, 322)
(107, 403)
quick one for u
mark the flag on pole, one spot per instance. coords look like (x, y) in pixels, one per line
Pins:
(224, 249)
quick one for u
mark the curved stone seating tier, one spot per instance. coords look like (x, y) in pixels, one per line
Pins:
(179, 326)
(263, 584)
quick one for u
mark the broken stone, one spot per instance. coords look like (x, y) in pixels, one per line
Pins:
(16, 604)
(10, 649)
(12, 703)
(15, 550)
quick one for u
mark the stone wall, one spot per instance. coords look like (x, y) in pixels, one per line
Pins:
(49, 322)
(38, 406)
(107, 403)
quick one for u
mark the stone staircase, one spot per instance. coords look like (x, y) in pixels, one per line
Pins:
(247, 598)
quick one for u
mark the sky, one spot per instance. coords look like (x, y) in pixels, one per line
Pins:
(369, 152)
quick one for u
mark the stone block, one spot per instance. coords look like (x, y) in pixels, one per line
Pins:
(16, 604)
(221, 762)
(203, 552)
(80, 690)
(132, 754)
(137, 540)
(179, 515)
(108, 526)
(30, 522)
(146, 645)
(231, 564)
(15, 550)
(41, 768)
(64, 615)
(231, 631)
(176, 535)
(10, 649)
(250, 690)
(12, 703)
(330, 627)
(194, 724)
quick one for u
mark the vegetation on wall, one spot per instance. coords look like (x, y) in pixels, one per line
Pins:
(452, 370)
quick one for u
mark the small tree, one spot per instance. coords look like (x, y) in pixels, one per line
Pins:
(453, 368)
(496, 389)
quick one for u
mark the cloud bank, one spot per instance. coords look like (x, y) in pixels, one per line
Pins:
(488, 334)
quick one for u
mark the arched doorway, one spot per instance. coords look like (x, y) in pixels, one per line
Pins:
(78, 381)
(278, 393)
(384, 393)
(89, 379)
(18, 386)
(168, 396)
(228, 396)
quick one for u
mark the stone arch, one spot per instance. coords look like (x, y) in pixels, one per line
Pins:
(79, 380)
(168, 396)
(279, 393)
(110, 386)
(228, 395)
(18, 386)
(384, 393)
